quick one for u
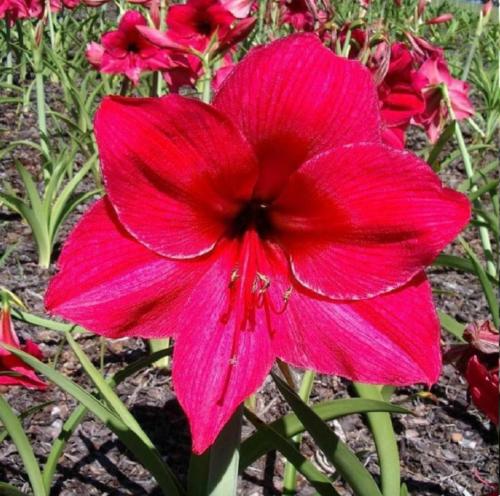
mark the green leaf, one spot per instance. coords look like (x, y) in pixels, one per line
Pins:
(8, 490)
(339, 455)
(31, 189)
(438, 147)
(127, 436)
(458, 263)
(485, 188)
(53, 325)
(319, 481)
(16, 432)
(449, 324)
(24, 414)
(6, 254)
(489, 293)
(290, 425)
(80, 411)
(59, 210)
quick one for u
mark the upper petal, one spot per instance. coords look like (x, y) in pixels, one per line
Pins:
(390, 339)
(175, 170)
(293, 99)
(111, 284)
(373, 218)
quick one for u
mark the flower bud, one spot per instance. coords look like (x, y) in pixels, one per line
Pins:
(440, 19)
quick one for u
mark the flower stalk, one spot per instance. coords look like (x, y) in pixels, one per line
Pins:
(385, 440)
(469, 171)
(37, 40)
(290, 475)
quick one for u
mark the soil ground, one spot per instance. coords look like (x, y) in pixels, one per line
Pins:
(447, 448)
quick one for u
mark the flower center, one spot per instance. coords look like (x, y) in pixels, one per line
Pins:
(204, 27)
(133, 47)
(254, 215)
(250, 304)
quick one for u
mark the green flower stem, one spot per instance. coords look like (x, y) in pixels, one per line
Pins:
(261, 15)
(21, 59)
(206, 90)
(159, 345)
(215, 472)
(469, 171)
(473, 46)
(40, 98)
(290, 475)
(8, 62)
(385, 441)
(50, 20)
(124, 86)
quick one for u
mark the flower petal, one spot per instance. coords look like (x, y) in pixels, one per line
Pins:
(390, 339)
(175, 170)
(293, 99)
(111, 284)
(217, 365)
(374, 217)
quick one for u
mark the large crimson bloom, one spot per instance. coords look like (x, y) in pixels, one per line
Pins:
(273, 223)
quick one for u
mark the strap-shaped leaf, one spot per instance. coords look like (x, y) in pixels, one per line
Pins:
(319, 481)
(339, 455)
(290, 425)
(16, 432)
(144, 454)
(80, 411)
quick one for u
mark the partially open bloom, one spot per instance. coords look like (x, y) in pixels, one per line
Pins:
(478, 362)
(126, 51)
(272, 223)
(13, 371)
(483, 388)
(239, 8)
(432, 119)
(400, 94)
(441, 19)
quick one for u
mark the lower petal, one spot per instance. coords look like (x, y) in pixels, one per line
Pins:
(216, 364)
(389, 339)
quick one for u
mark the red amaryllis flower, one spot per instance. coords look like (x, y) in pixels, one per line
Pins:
(436, 72)
(13, 371)
(266, 225)
(298, 14)
(197, 21)
(400, 93)
(12, 10)
(478, 362)
(126, 51)
(483, 388)
(239, 8)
